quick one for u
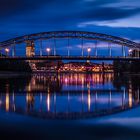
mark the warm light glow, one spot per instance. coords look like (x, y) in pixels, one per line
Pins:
(7, 102)
(89, 100)
(48, 102)
(48, 50)
(130, 99)
(130, 50)
(7, 50)
(66, 80)
(89, 49)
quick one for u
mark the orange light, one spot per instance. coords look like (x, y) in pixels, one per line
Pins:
(7, 50)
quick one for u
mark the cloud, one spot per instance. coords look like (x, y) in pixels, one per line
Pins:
(107, 13)
(28, 16)
(15, 7)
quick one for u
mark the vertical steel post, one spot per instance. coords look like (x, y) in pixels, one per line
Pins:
(13, 50)
(82, 46)
(40, 47)
(54, 49)
(123, 51)
(96, 52)
(109, 49)
(138, 53)
(68, 46)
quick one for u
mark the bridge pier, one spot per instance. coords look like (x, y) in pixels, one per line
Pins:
(54, 49)
(40, 51)
(109, 49)
(68, 47)
(14, 50)
(138, 53)
(96, 51)
(82, 47)
(0, 51)
(123, 51)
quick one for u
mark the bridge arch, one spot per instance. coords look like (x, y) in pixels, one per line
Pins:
(71, 34)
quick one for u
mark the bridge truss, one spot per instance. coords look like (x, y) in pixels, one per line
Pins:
(71, 34)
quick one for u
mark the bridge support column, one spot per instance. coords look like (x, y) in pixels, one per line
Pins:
(96, 51)
(14, 50)
(109, 49)
(68, 47)
(123, 51)
(54, 49)
(82, 47)
(138, 55)
(40, 51)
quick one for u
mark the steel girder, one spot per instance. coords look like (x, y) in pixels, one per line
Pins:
(70, 34)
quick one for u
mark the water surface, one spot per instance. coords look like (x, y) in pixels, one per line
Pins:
(68, 96)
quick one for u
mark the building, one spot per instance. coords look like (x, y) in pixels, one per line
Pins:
(134, 52)
(30, 48)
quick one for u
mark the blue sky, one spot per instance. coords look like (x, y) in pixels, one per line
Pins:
(115, 17)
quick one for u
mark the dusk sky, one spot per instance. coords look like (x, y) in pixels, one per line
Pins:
(115, 17)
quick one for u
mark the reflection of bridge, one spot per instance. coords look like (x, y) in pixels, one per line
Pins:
(68, 106)
(85, 51)
(71, 96)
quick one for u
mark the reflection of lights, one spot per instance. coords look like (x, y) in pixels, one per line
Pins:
(48, 102)
(66, 80)
(89, 100)
(130, 100)
(82, 81)
(96, 96)
(130, 95)
(7, 102)
(40, 97)
(0, 102)
(13, 98)
(29, 88)
(124, 92)
(110, 94)
(28, 98)
(138, 94)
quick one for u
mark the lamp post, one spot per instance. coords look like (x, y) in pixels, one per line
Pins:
(48, 51)
(88, 50)
(130, 52)
(7, 51)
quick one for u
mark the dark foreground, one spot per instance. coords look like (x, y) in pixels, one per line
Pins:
(41, 94)
(114, 127)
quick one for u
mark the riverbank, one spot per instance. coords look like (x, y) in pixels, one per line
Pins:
(12, 74)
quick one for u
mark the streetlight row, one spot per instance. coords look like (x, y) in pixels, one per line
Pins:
(7, 50)
(48, 50)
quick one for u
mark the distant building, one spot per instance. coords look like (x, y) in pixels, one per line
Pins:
(134, 52)
(30, 48)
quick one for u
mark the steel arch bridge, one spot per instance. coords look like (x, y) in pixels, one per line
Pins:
(71, 34)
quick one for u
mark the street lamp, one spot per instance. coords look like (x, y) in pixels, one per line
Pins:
(48, 51)
(130, 52)
(7, 51)
(89, 50)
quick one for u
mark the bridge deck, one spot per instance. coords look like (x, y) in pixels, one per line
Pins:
(71, 58)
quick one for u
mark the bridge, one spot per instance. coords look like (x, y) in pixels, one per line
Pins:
(88, 47)
(71, 58)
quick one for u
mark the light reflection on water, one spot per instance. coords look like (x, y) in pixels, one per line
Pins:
(68, 95)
